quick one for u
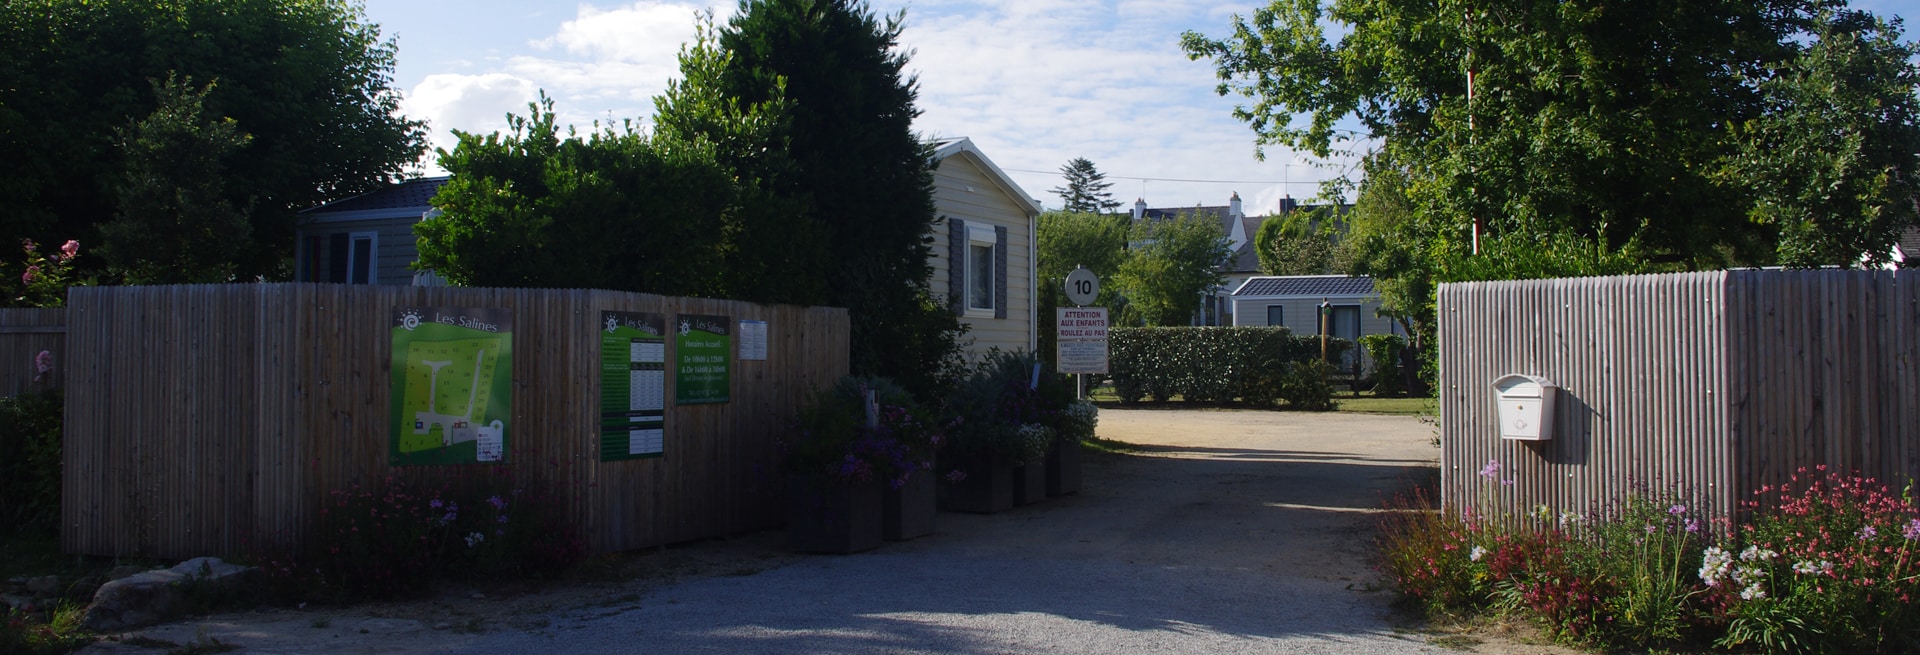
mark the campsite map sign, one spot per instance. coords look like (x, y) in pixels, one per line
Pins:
(703, 359)
(633, 385)
(452, 385)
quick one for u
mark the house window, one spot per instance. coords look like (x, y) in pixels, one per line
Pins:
(351, 258)
(1276, 315)
(981, 242)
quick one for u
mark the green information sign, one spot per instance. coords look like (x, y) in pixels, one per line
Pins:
(633, 385)
(703, 357)
(452, 385)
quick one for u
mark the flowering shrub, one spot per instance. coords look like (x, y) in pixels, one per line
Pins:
(401, 537)
(43, 277)
(1824, 563)
(834, 441)
(1076, 423)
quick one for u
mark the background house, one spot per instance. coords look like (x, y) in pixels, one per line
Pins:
(365, 239)
(984, 248)
(1294, 301)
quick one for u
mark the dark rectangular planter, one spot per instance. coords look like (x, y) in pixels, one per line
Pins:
(1063, 468)
(987, 487)
(1030, 482)
(833, 517)
(907, 512)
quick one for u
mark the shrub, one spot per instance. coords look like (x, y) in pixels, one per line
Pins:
(1384, 350)
(1825, 565)
(1308, 386)
(834, 442)
(1208, 364)
(30, 426)
(1007, 409)
(401, 537)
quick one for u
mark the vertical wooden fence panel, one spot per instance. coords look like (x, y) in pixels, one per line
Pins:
(212, 419)
(1717, 383)
(24, 334)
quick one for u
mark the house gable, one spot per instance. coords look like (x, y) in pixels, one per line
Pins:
(981, 211)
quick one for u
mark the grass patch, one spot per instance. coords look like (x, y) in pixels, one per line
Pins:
(1109, 446)
(1366, 403)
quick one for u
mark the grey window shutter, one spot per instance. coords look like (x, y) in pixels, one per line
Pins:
(999, 271)
(957, 265)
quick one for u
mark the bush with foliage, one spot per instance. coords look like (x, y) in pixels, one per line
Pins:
(1212, 364)
(1009, 408)
(402, 536)
(44, 277)
(1308, 386)
(30, 475)
(1384, 350)
(838, 440)
(1823, 564)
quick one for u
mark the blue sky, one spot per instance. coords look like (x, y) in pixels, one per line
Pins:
(1034, 83)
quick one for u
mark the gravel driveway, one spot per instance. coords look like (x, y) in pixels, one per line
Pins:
(1230, 532)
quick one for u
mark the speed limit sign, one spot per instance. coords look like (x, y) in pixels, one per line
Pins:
(1082, 286)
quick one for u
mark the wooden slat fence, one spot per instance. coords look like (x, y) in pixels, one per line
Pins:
(1709, 383)
(212, 418)
(24, 334)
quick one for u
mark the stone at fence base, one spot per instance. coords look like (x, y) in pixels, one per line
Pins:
(122, 571)
(151, 597)
(18, 603)
(45, 586)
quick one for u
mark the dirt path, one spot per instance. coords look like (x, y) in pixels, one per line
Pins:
(1229, 531)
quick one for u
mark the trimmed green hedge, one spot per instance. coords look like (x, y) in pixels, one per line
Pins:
(1212, 364)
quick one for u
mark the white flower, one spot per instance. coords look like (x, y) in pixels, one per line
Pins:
(1713, 565)
(1752, 592)
(474, 539)
(1805, 568)
(1757, 554)
(1476, 553)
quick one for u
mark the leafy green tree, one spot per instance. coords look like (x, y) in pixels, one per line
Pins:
(1831, 165)
(828, 77)
(612, 210)
(1596, 130)
(1086, 189)
(308, 81)
(177, 223)
(1296, 243)
(1069, 240)
(1175, 261)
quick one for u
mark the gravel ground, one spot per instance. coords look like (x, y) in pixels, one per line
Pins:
(1228, 532)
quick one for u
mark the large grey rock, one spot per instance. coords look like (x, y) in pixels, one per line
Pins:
(151, 597)
(46, 586)
(122, 571)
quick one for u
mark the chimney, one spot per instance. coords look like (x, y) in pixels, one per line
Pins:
(1287, 205)
(1233, 207)
(1139, 208)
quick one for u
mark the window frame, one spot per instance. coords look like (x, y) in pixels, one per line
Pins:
(373, 256)
(979, 236)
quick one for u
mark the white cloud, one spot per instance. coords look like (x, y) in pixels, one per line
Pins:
(469, 103)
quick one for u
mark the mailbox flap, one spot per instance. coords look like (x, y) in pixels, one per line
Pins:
(1522, 386)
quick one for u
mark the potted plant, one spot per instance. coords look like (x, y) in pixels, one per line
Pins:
(1072, 427)
(1001, 428)
(857, 444)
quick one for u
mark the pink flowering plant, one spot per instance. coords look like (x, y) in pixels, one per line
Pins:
(41, 278)
(840, 438)
(1822, 564)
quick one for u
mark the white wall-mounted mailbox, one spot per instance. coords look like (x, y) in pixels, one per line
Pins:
(1526, 407)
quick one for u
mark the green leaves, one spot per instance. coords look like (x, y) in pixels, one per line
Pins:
(1172, 261)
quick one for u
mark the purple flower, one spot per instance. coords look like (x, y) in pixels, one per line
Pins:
(1693, 526)
(496, 502)
(1677, 510)
(1491, 469)
(1913, 530)
(72, 248)
(435, 503)
(27, 277)
(43, 362)
(1867, 532)
(956, 475)
(502, 519)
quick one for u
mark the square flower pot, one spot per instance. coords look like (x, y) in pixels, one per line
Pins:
(833, 517)
(1063, 467)
(1030, 482)
(987, 487)
(908, 512)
